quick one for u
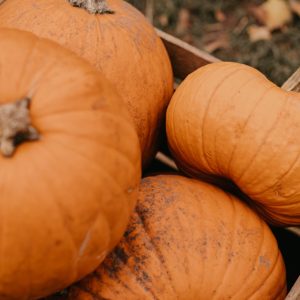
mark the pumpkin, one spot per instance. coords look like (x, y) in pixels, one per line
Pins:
(189, 240)
(122, 45)
(66, 197)
(228, 120)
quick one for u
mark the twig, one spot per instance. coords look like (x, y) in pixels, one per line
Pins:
(149, 11)
(293, 83)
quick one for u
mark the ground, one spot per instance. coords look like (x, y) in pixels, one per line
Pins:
(225, 29)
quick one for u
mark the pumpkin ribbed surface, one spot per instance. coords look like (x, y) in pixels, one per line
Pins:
(227, 119)
(123, 45)
(66, 198)
(189, 240)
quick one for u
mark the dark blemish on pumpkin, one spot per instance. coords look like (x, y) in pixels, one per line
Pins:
(99, 104)
(231, 255)
(121, 254)
(58, 242)
(146, 277)
(264, 261)
(112, 265)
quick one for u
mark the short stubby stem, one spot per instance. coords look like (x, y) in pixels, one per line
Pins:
(93, 6)
(15, 126)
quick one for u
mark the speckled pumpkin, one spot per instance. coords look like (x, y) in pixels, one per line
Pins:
(65, 198)
(227, 120)
(123, 45)
(189, 240)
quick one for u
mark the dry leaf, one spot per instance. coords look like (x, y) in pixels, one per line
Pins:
(257, 33)
(221, 41)
(274, 14)
(220, 16)
(163, 20)
(295, 6)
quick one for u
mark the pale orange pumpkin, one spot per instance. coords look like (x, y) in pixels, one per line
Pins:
(65, 198)
(227, 120)
(189, 240)
(122, 45)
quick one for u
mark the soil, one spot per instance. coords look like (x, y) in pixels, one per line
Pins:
(222, 28)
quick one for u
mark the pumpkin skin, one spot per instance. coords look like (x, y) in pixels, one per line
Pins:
(123, 45)
(189, 240)
(227, 120)
(65, 199)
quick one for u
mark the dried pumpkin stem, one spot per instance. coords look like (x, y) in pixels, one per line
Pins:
(93, 6)
(15, 123)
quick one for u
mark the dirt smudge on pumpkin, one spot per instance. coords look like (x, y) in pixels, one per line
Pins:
(263, 260)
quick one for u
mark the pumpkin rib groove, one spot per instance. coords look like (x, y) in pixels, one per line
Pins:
(118, 118)
(95, 167)
(35, 82)
(218, 168)
(103, 172)
(283, 289)
(245, 125)
(156, 251)
(109, 147)
(256, 256)
(227, 266)
(182, 229)
(267, 277)
(247, 122)
(135, 275)
(205, 254)
(286, 173)
(56, 202)
(236, 144)
(27, 60)
(123, 283)
(106, 267)
(175, 141)
(64, 222)
(268, 132)
(196, 155)
(172, 118)
(204, 121)
(270, 272)
(258, 248)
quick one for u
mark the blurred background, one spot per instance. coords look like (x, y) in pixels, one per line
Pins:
(263, 34)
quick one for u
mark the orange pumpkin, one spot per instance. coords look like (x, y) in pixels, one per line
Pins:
(226, 119)
(65, 198)
(189, 240)
(123, 45)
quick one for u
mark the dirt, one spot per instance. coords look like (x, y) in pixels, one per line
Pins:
(222, 28)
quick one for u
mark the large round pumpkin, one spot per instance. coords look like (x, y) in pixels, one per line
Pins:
(65, 198)
(189, 240)
(228, 120)
(123, 45)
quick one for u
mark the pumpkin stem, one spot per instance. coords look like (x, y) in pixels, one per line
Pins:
(93, 6)
(15, 126)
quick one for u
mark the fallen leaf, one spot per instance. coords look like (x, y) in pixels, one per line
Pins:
(274, 14)
(220, 16)
(257, 33)
(163, 20)
(295, 6)
(220, 41)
